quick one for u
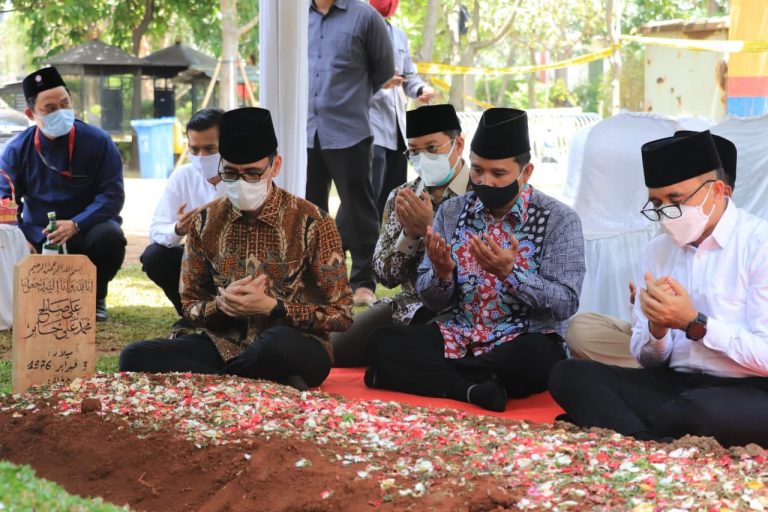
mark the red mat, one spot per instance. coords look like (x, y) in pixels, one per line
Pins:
(348, 382)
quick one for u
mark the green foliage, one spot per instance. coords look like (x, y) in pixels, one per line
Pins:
(51, 27)
(21, 490)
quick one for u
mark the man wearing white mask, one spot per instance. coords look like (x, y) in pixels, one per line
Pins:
(189, 187)
(435, 146)
(66, 166)
(509, 262)
(263, 274)
(701, 318)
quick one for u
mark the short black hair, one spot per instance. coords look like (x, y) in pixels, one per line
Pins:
(204, 119)
(32, 99)
(452, 134)
(726, 178)
(523, 159)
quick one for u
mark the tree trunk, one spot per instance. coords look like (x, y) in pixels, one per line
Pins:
(614, 9)
(532, 81)
(427, 49)
(136, 35)
(229, 40)
(501, 97)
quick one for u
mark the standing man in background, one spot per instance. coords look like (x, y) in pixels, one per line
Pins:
(350, 58)
(390, 165)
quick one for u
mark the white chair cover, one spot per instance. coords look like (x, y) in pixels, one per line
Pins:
(13, 248)
(284, 84)
(611, 193)
(750, 135)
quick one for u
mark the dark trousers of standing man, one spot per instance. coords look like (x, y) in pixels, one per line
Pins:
(658, 404)
(390, 170)
(350, 170)
(163, 266)
(104, 244)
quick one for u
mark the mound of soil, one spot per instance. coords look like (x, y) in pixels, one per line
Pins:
(183, 442)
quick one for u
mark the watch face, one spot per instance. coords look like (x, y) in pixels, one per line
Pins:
(696, 331)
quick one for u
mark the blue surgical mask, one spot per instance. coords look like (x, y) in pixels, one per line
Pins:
(58, 123)
(435, 169)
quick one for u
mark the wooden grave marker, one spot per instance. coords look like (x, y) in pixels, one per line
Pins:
(54, 320)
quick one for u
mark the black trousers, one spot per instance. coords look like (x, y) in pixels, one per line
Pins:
(659, 403)
(163, 266)
(104, 244)
(390, 170)
(411, 359)
(277, 353)
(350, 171)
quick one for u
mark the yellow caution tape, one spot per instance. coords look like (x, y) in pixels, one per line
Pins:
(708, 46)
(431, 68)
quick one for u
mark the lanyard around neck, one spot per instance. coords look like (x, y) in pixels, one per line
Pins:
(71, 149)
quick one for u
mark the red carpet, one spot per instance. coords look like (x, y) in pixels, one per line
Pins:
(348, 382)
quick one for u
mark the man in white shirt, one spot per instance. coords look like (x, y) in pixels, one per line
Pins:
(605, 339)
(701, 319)
(191, 186)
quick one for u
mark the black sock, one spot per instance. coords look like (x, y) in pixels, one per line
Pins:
(370, 378)
(295, 381)
(488, 395)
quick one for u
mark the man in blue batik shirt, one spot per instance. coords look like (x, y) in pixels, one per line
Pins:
(66, 166)
(509, 261)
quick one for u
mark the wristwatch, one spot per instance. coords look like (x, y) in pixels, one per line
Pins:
(278, 311)
(697, 329)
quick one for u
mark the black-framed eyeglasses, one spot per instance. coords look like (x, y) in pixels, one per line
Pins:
(670, 211)
(252, 175)
(432, 149)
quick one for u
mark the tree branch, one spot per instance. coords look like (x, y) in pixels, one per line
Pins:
(478, 45)
(139, 31)
(247, 27)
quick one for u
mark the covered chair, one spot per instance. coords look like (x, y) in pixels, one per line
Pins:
(611, 192)
(750, 135)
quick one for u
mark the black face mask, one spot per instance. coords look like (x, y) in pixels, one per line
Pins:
(496, 197)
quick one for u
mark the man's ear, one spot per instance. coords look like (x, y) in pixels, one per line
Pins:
(29, 114)
(276, 166)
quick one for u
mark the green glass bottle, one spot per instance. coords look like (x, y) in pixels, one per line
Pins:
(49, 247)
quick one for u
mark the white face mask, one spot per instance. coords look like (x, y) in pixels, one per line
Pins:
(690, 225)
(435, 169)
(208, 165)
(247, 196)
(58, 123)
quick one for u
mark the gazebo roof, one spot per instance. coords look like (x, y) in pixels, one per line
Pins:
(173, 60)
(180, 55)
(96, 57)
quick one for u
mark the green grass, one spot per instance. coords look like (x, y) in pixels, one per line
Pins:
(21, 490)
(138, 310)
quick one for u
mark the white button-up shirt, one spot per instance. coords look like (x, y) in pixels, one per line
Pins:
(727, 280)
(185, 185)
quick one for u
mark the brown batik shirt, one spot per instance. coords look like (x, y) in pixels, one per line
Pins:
(290, 240)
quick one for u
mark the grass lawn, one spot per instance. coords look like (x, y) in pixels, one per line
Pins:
(138, 310)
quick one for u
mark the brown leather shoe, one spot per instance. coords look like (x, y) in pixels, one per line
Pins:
(364, 297)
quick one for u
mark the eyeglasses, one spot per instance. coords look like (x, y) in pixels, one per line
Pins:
(431, 149)
(250, 176)
(670, 211)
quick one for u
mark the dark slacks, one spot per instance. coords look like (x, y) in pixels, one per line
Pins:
(390, 170)
(411, 359)
(349, 346)
(278, 352)
(104, 244)
(663, 403)
(163, 266)
(350, 171)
